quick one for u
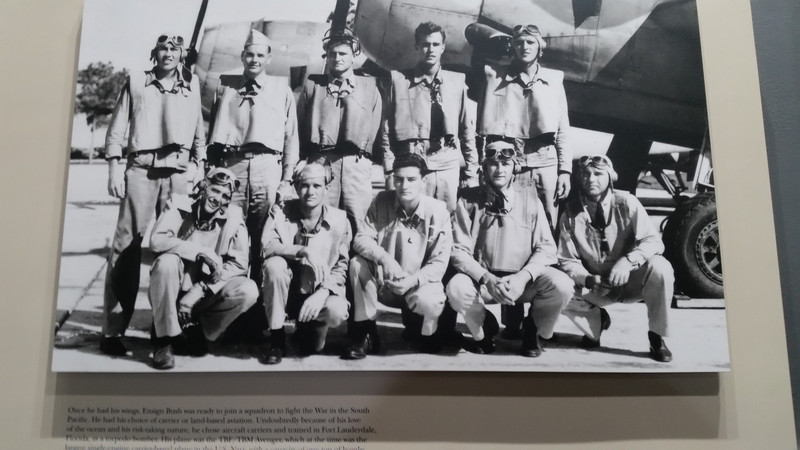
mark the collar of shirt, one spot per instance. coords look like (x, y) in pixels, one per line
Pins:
(518, 75)
(220, 216)
(178, 86)
(604, 203)
(342, 86)
(428, 80)
(491, 199)
(255, 83)
(294, 215)
(416, 218)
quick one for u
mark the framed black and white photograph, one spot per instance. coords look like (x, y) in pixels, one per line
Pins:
(390, 185)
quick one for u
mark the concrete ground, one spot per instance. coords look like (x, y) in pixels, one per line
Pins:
(698, 337)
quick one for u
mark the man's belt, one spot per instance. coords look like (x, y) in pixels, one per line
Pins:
(247, 151)
(542, 140)
(345, 149)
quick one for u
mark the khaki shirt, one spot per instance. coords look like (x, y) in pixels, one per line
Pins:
(487, 239)
(420, 243)
(532, 111)
(158, 117)
(407, 124)
(178, 231)
(284, 236)
(264, 112)
(629, 233)
(346, 117)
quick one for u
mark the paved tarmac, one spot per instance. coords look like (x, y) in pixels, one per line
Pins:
(698, 326)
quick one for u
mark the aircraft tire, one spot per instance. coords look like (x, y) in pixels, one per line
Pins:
(691, 244)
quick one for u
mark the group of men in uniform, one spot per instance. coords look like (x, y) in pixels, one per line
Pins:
(286, 211)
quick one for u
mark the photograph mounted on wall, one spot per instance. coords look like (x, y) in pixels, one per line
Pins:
(390, 185)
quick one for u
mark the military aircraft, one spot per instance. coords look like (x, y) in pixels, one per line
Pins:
(633, 68)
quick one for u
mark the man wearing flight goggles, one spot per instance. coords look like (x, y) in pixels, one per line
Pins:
(165, 148)
(198, 283)
(525, 104)
(612, 251)
(503, 250)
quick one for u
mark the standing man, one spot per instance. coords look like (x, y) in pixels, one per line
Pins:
(525, 104)
(402, 252)
(612, 251)
(503, 249)
(428, 109)
(253, 132)
(200, 274)
(340, 115)
(306, 247)
(165, 148)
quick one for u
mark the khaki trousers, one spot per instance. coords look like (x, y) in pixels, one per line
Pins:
(651, 282)
(146, 193)
(170, 277)
(427, 300)
(548, 294)
(280, 294)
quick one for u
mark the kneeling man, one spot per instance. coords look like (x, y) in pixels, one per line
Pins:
(611, 249)
(306, 246)
(200, 274)
(403, 248)
(503, 249)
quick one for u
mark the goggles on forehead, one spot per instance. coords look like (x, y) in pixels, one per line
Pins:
(502, 153)
(176, 40)
(223, 179)
(530, 29)
(596, 160)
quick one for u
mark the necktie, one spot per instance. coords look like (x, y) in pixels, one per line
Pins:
(437, 113)
(599, 223)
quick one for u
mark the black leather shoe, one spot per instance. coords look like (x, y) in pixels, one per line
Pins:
(358, 350)
(271, 356)
(605, 322)
(272, 351)
(486, 345)
(112, 346)
(365, 346)
(658, 348)
(430, 344)
(531, 345)
(163, 359)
